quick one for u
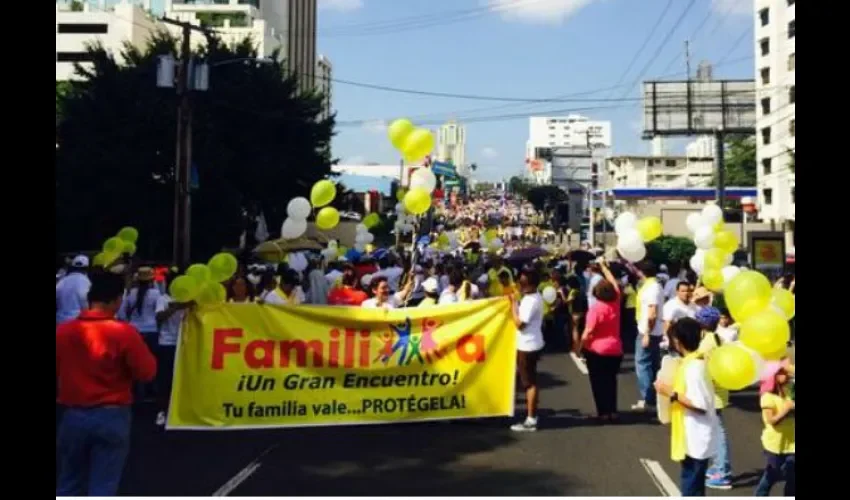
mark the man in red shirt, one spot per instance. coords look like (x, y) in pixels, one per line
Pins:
(98, 358)
(346, 294)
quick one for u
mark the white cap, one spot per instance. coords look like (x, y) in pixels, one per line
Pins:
(80, 261)
(430, 285)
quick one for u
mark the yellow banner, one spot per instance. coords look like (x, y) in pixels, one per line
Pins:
(242, 366)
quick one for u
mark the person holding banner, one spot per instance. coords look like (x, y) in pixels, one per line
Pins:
(382, 297)
(287, 293)
(528, 317)
(169, 318)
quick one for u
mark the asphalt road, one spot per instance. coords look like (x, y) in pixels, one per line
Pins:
(567, 456)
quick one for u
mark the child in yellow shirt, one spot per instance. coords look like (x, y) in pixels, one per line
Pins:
(777, 413)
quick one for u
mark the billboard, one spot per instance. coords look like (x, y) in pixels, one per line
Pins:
(688, 107)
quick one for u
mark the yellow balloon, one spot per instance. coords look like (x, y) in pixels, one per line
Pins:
(104, 259)
(327, 218)
(649, 228)
(417, 145)
(417, 201)
(491, 234)
(398, 131)
(785, 301)
(720, 226)
(776, 356)
(113, 245)
(399, 194)
(370, 248)
(726, 240)
(747, 294)
(443, 239)
(129, 247)
(323, 192)
(222, 266)
(715, 258)
(211, 293)
(371, 220)
(184, 288)
(712, 278)
(766, 332)
(129, 234)
(200, 272)
(732, 367)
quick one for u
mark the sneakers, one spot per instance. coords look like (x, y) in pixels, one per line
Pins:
(528, 425)
(160, 418)
(642, 406)
(718, 482)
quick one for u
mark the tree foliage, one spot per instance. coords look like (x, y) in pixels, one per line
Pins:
(518, 186)
(674, 250)
(541, 196)
(255, 146)
(740, 162)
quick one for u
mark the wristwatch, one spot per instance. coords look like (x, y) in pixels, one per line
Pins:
(674, 397)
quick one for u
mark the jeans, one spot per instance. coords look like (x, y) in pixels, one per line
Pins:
(164, 375)
(602, 372)
(92, 444)
(647, 364)
(693, 477)
(147, 390)
(720, 463)
(777, 466)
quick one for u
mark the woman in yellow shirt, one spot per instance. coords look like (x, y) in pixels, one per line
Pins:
(777, 413)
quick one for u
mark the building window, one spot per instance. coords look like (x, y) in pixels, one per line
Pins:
(792, 63)
(83, 28)
(670, 163)
(765, 46)
(765, 106)
(791, 127)
(765, 76)
(765, 135)
(793, 195)
(792, 26)
(766, 165)
(768, 196)
(73, 57)
(792, 94)
(764, 15)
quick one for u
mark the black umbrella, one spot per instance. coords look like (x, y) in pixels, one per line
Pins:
(580, 256)
(527, 254)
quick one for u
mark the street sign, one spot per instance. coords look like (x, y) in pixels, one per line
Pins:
(444, 169)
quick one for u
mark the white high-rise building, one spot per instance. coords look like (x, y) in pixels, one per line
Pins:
(451, 145)
(112, 23)
(583, 141)
(324, 83)
(775, 48)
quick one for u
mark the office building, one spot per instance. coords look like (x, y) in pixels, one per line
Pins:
(657, 172)
(571, 145)
(775, 68)
(111, 23)
(324, 83)
(451, 145)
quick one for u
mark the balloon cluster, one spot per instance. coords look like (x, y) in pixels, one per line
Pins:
(118, 245)
(633, 233)
(417, 200)
(202, 283)
(362, 238)
(715, 247)
(490, 240)
(404, 223)
(549, 294)
(298, 209)
(446, 240)
(412, 142)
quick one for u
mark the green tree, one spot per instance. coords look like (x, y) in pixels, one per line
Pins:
(518, 186)
(541, 196)
(674, 250)
(256, 144)
(740, 162)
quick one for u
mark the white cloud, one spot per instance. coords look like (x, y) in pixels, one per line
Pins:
(340, 5)
(375, 126)
(489, 153)
(354, 160)
(737, 7)
(537, 11)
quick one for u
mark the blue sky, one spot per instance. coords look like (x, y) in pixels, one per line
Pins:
(513, 48)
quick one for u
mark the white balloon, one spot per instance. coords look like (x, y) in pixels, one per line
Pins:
(360, 247)
(630, 240)
(704, 238)
(333, 244)
(497, 243)
(361, 228)
(633, 254)
(549, 294)
(729, 272)
(399, 208)
(360, 239)
(298, 208)
(292, 228)
(695, 221)
(408, 228)
(713, 214)
(698, 261)
(369, 238)
(423, 178)
(624, 221)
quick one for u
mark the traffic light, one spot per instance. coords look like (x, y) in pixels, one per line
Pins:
(594, 175)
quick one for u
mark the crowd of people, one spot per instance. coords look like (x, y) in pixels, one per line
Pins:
(117, 334)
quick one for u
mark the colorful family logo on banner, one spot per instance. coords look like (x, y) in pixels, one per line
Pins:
(243, 366)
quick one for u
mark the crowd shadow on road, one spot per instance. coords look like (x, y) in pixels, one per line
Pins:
(747, 479)
(745, 401)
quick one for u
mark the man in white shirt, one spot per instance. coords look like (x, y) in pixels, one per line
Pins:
(650, 333)
(392, 272)
(383, 298)
(528, 317)
(72, 290)
(700, 417)
(678, 307)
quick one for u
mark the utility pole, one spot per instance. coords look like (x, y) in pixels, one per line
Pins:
(591, 236)
(181, 250)
(688, 59)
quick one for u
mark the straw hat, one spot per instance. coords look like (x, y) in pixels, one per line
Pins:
(145, 274)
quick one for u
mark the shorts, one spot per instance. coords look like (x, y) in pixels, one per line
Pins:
(526, 363)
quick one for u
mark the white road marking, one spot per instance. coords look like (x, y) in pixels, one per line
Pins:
(243, 474)
(579, 363)
(660, 478)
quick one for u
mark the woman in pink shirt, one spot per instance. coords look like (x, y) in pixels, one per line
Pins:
(602, 346)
